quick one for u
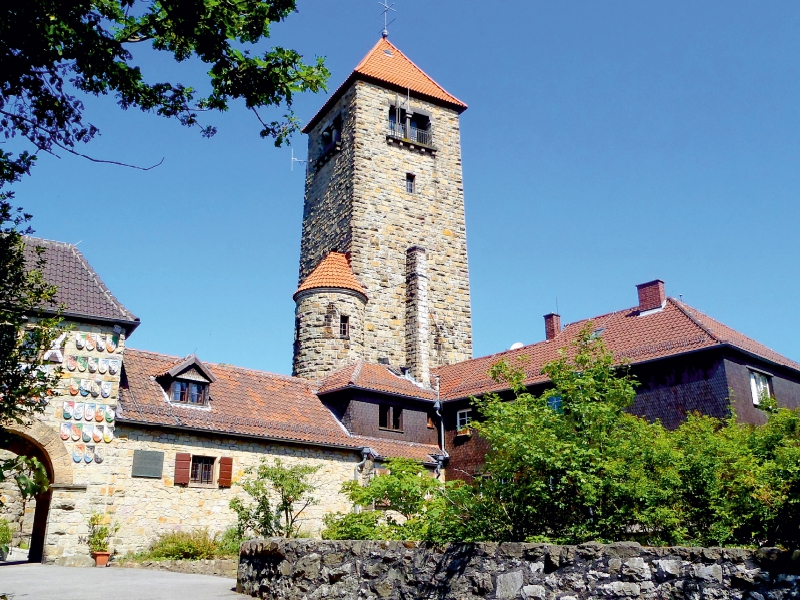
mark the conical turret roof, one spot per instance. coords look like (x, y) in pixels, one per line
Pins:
(333, 271)
(388, 66)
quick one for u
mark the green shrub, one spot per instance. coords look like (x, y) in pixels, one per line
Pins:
(191, 545)
(229, 542)
(5, 534)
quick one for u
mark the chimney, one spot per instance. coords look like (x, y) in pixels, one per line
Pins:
(651, 295)
(552, 325)
(418, 354)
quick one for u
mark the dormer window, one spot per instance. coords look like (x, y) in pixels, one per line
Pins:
(189, 392)
(188, 383)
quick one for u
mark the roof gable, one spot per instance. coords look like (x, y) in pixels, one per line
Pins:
(333, 271)
(80, 289)
(375, 377)
(387, 65)
(191, 368)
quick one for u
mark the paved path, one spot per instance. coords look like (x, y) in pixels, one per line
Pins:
(45, 582)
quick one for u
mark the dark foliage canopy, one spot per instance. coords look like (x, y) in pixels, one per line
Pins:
(51, 50)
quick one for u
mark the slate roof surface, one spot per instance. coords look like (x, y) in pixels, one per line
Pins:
(79, 287)
(333, 271)
(387, 65)
(676, 329)
(246, 402)
(376, 377)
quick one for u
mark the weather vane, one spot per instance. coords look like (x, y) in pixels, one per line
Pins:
(386, 9)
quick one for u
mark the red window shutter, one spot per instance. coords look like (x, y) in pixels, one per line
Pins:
(183, 466)
(225, 471)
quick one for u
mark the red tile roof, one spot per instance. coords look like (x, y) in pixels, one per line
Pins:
(333, 271)
(80, 289)
(369, 376)
(676, 329)
(246, 402)
(386, 65)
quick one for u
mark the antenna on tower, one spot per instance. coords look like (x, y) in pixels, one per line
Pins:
(294, 160)
(386, 9)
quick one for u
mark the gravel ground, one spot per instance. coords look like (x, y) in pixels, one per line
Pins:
(45, 582)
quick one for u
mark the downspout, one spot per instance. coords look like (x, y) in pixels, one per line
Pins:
(437, 406)
(365, 453)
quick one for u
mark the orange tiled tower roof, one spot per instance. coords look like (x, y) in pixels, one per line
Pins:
(385, 64)
(333, 272)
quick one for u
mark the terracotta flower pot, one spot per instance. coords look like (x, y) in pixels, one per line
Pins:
(101, 558)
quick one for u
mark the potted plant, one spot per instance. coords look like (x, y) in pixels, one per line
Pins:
(100, 537)
(465, 431)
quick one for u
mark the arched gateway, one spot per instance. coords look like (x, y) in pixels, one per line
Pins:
(40, 441)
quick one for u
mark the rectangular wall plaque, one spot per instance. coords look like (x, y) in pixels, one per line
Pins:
(147, 463)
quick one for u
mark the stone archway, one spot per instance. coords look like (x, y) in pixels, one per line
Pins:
(38, 440)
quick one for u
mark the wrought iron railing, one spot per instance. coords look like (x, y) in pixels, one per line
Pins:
(398, 130)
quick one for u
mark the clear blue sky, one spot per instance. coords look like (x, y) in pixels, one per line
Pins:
(606, 144)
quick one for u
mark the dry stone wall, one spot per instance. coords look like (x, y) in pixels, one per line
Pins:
(350, 570)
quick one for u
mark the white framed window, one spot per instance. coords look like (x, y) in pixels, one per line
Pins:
(463, 418)
(759, 386)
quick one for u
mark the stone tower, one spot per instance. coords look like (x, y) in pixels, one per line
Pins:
(384, 198)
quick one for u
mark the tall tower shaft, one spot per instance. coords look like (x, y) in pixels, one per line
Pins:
(384, 178)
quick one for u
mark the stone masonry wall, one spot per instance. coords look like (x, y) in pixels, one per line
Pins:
(146, 507)
(320, 349)
(357, 202)
(313, 570)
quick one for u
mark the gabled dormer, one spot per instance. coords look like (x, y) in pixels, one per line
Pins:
(188, 383)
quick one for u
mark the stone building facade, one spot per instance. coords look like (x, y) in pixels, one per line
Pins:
(384, 176)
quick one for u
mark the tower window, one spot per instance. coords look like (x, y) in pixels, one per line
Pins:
(344, 326)
(410, 183)
(332, 135)
(390, 417)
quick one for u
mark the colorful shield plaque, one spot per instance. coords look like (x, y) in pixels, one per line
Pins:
(77, 452)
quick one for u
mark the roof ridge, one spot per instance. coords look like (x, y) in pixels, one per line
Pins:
(99, 282)
(691, 317)
(356, 373)
(224, 365)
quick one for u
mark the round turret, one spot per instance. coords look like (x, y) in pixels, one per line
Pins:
(329, 318)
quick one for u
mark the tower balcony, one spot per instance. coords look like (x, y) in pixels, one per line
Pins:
(412, 137)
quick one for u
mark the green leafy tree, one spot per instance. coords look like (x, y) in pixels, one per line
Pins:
(26, 334)
(279, 496)
(53, 50)
(407, 490)
(569, 465)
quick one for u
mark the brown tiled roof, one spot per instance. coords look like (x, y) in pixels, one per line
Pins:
(245, 402)
(632, 337)
(333, 271)
(385, 64)
(80, 289)
(370, 376)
